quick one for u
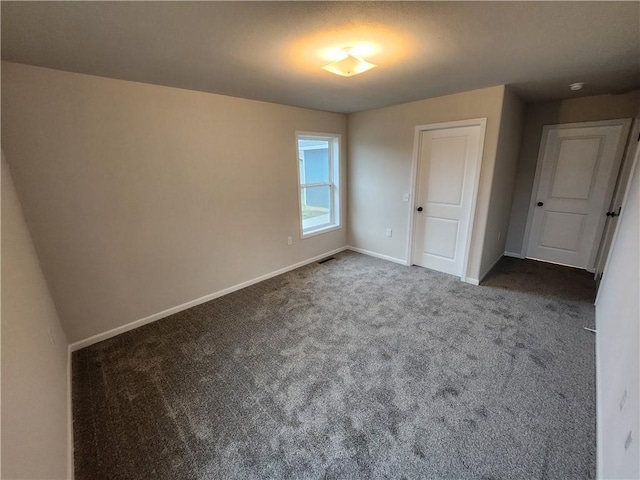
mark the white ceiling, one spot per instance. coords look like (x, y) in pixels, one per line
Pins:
(271, 51)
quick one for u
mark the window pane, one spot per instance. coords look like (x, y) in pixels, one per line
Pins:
(316, 206)
(314, 167)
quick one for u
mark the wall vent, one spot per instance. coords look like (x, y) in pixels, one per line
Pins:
(324, 260)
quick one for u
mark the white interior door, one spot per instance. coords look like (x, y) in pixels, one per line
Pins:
(576, 176)
(448, 165)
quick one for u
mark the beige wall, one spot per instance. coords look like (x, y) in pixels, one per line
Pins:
(380, 161)
(502, 188)
(34, 357)
(142, 197)
(537, 115)
(618, 346)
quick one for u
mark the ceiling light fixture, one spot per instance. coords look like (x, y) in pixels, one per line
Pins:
(349, 65)
(576, 86)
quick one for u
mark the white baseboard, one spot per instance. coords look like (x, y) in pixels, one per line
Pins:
(472, 281)
(486, 272)
(170, 311)
(70, 464)
(513, 255)
(476, 281)
(377, 255)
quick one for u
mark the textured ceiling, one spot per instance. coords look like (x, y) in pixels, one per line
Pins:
(273, 51)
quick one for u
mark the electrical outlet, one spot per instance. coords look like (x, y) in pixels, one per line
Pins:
(389, 232)
(289, 241)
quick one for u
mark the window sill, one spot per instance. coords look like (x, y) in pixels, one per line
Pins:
(320, 231)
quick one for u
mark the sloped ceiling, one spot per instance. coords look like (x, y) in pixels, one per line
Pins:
(274, 51)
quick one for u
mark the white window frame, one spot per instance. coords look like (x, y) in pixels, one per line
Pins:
(334, 140)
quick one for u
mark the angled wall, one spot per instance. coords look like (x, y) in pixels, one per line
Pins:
(503, 185)
(141, 198)
(35, 410)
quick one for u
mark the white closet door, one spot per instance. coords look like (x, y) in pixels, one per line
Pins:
(448, 160)
(576, 180)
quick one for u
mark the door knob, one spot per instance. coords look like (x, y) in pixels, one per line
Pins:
(419, 209)
(540, 204)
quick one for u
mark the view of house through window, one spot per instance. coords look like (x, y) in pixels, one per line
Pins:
(318, 169)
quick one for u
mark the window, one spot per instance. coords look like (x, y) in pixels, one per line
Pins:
(318, 173)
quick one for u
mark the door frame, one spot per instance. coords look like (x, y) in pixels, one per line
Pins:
(414, 187)
(619, 195)
(627, 187)
(625, 123)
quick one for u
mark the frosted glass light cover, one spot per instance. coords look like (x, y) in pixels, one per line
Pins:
(349, 66)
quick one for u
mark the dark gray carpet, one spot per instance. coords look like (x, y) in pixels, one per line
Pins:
(357, 368)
